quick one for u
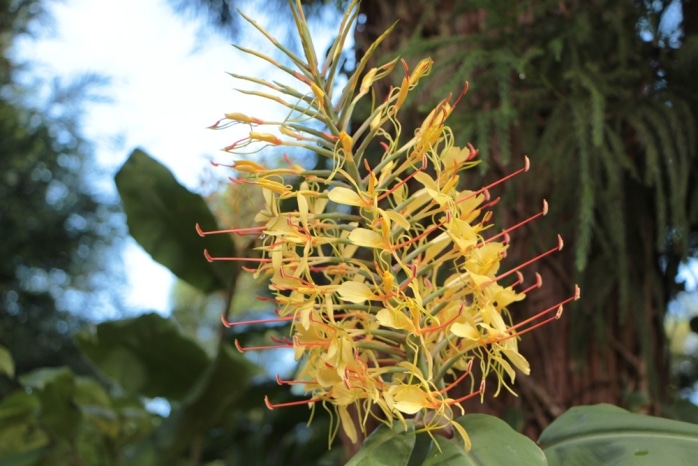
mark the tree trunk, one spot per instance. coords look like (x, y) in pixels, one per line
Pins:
(574, 360)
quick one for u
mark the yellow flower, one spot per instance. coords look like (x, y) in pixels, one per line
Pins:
(389, 272)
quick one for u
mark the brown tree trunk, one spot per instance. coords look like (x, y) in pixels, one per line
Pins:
(611, 364)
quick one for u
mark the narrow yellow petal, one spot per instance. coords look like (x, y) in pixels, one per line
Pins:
(347, 423)
(517, 360)
(302, 208)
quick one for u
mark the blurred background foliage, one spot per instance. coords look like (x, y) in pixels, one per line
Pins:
(602, 95)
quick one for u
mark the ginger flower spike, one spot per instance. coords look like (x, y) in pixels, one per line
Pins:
(388, 270)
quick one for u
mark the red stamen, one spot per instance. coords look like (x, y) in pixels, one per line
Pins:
(228, 324)
(525, 168)
(459, 379)
(407, 178)
(488, 205)
(460, 96)
(426, 232)
(557, 248)
(542, 213)
(445, 324)
(290, 403)
(210, 258)
(293, 382)
(259, 348)
(255, 231)
(538, 284)
(281, 341)
(471, 395)
(557, 307)
(232, 146)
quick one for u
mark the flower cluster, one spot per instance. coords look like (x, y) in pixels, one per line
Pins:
(388, 270)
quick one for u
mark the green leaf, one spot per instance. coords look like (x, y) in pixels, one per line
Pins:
(7, 365)
(681, 410)
(217, 393)
(494, 443)
(21, 438)
(95, 405)
(25, 458)
(18, 404)
(162, 216)
(56, 392)
(146, 355)
(386, 447)
(607, 435)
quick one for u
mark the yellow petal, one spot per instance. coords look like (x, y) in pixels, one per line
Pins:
(478, 279)
(409, 399)
(248, 166)
(266, 137)
(345, 196)
(394, 319)
(435, 246)
(242, 118)
(273, 186)
(454, 156)
(465, 330)
(347, 423)
(517, 360)
(354, 292)
(366, 238)
(464, 435)
(396, 217)
(426, 180)
(302, 208)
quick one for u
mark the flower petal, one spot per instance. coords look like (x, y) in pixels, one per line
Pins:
(354, 292)
(367, 238)
(345, 196)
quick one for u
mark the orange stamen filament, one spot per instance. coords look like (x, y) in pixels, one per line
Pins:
(471, 395)
(527, 165)
(290, 403)
(259, 348)
(459, 379)
(505, 232)
(528, 262)
(210, 258)
(228, 324)
(255, 231)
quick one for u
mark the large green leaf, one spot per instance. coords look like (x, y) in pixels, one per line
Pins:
(161, 216)
(7, 366)
(386, 447)
(56, 391)
(608, 435)
(494, 443)
(21, 439)
(146, 355)
(218, 391)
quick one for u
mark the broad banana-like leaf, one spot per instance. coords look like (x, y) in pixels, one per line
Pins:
(607, 435)
(162, 216)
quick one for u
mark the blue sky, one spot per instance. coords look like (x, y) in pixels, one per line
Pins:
(167, 84)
